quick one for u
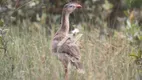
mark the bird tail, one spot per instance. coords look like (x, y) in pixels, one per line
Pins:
(79, 67)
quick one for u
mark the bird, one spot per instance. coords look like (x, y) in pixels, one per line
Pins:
(63, 46)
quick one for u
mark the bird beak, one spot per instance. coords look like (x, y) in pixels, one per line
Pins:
(78, 6)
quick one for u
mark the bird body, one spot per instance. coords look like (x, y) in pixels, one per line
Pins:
(63, 46)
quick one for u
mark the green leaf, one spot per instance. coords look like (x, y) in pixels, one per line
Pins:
(134, 55)
(1, 23)
(107, 5)
(139, 54)
(0, 40)
(140, 38)
(126, 13)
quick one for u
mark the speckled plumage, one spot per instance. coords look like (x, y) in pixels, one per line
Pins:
(68, 52)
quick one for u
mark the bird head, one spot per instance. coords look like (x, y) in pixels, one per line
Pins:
(70, 7)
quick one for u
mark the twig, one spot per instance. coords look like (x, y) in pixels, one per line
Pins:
(78, 37)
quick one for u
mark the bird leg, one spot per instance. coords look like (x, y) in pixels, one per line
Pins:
(66, 71)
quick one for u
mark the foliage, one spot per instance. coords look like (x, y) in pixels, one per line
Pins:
(134, 3)
(3, 42)
(30, 25)
(134, 34)
(29, 57)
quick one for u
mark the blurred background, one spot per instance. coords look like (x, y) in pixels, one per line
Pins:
(111, 45)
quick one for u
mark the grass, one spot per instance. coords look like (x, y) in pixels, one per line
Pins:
(29, 57)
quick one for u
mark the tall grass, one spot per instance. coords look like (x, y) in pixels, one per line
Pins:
(29, 57)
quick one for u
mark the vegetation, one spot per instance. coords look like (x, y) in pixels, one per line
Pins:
(111, 45)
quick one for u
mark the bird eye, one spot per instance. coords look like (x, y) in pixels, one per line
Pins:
(70, 6)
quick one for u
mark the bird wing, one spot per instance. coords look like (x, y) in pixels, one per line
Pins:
(71, 49)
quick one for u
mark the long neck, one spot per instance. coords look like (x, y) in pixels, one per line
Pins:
(65, 23)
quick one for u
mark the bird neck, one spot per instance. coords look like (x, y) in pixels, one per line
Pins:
(65, 23)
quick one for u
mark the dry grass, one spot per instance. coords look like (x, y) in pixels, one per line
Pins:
(29, 58)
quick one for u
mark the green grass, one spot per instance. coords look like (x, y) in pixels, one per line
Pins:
(29, 57)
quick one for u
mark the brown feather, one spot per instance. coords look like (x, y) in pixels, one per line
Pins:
(68, 51)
